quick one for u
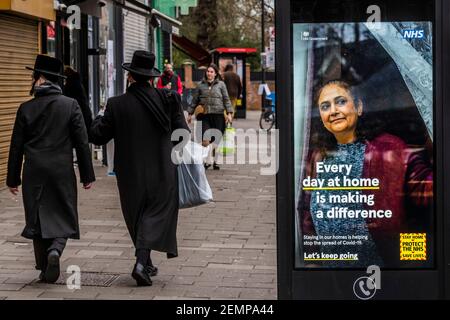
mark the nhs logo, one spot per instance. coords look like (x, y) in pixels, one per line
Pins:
(413, 34)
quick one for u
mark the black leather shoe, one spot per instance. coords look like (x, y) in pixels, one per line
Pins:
(215, 166)
(206, 165)
(151, 270)
(52, 270)
(42, 276)
(141, 276)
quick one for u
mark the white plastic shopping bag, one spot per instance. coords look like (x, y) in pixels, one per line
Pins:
(193, 153)
(194, 189)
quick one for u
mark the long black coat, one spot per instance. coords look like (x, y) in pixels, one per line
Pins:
(146, 177)
(46, 130)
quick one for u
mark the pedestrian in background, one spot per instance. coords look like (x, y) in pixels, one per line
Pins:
(234, 85)
(141, 122)
(108, 153)
(170, 80)
(73, 88)
(45, 131)
(211, 97)
(110, 158)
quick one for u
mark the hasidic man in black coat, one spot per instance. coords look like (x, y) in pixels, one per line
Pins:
(46, 130)
(141, 122)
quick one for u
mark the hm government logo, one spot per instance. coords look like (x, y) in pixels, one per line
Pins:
(366, 287)
(306, 36)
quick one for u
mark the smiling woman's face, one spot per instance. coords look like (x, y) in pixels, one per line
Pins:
(211, 74)
(338, 111)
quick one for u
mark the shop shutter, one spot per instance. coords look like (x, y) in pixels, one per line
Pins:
(135, 34)
(18, 48)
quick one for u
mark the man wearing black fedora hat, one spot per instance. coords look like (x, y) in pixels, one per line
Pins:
(141, 122)
(46, 129)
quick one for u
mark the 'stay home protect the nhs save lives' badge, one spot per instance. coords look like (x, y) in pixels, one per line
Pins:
(413, 246)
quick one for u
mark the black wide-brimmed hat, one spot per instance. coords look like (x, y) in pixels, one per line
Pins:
(143, 63)
(48, 65)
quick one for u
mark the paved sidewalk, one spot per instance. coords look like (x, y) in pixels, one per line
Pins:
(226, 248)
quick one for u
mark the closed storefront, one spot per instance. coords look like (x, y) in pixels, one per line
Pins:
(136, 35)
(19, 45)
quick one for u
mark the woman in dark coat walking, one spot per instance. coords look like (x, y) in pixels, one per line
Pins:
(45, 131)
(141, 122)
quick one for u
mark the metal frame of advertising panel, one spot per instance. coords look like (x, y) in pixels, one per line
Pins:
(303, 283)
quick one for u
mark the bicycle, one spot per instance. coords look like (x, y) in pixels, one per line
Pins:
(268, 115)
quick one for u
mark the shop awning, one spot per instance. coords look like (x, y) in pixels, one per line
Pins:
(42, 9)
(192, 49)
(234, 50)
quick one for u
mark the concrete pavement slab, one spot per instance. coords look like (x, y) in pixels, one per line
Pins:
(227, 248)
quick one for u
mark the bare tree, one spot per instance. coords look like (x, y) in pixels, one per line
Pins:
(216, 23)
(206, 18)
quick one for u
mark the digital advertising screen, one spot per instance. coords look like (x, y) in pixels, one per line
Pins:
(363, 97)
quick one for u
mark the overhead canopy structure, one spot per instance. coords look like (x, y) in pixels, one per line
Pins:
(42, 9)
(234, 50)
(192, 49)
